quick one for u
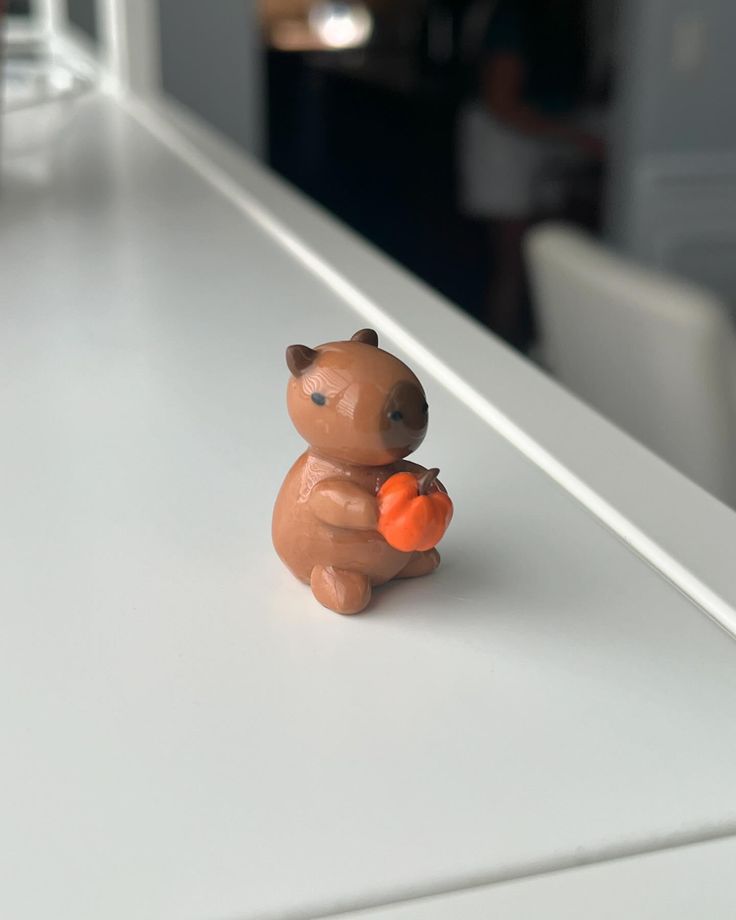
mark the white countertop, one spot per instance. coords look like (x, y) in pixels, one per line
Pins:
(187, 733)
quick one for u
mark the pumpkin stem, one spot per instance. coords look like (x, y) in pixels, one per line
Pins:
(425, 480)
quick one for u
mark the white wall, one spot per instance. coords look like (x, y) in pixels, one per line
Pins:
(672, 196)
(211, 63)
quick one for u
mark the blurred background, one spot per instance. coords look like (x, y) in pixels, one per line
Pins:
(562, 170)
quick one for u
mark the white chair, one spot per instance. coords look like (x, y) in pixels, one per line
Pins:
(657, 356)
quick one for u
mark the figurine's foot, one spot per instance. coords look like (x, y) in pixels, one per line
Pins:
(420, 564)
(340, 590)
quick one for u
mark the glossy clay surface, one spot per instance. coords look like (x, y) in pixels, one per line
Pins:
(362, 411)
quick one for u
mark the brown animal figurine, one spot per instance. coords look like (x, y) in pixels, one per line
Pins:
(361, 411)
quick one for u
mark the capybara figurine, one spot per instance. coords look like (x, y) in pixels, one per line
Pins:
(361, 411)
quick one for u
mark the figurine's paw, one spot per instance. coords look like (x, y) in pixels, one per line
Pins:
(340, 590)
(420, 564)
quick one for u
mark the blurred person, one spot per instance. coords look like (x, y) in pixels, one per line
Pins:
(524, 134)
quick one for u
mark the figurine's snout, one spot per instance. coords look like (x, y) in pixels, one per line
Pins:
(405, 416)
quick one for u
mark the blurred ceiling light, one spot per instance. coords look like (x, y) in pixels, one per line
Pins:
(341, 25)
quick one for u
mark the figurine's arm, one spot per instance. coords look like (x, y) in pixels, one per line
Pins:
(343, 504)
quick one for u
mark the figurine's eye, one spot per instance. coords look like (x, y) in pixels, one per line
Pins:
(425, 408)
(395, 416)
(319, 398)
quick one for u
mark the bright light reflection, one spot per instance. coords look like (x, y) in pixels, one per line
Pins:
(341, 25)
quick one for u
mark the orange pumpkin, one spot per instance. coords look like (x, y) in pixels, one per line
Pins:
(413, 512)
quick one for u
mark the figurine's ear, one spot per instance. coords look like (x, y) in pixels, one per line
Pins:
(366, 336)
(299, 358)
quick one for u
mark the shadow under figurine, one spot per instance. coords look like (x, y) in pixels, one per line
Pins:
(352, 513)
